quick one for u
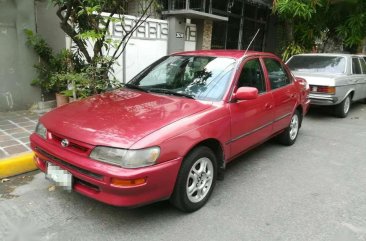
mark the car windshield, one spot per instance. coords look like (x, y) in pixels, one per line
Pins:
(322, 64)
(198, 77)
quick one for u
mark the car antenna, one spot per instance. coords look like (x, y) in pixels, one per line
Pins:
(251, 42)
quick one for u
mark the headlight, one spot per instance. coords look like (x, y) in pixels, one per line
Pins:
(41, 130)
(126, 158)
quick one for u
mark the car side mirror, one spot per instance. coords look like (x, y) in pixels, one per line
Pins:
(246, 93)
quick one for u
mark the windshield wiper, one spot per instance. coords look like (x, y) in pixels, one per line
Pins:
(135, 87)
(170, 92)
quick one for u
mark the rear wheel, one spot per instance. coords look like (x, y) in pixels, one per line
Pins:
(288, 137)
(196, 180)
(342, 109)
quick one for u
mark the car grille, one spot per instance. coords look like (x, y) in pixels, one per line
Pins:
(73, 145)
(66, 164)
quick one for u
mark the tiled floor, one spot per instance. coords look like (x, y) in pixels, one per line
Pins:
(15, 128)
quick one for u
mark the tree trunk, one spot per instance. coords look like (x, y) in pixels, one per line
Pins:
(289, 28)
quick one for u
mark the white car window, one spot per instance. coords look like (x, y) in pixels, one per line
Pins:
(356, 68)
(363, 65)
(318, 64)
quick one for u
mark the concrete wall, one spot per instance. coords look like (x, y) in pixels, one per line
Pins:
(199, 26)
(136, 7)
(207, 34)
(48, 25)
(16, 61)
(16, 58)
(204, 33)
(176, 34)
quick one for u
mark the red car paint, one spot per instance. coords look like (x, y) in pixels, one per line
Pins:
(132, 119)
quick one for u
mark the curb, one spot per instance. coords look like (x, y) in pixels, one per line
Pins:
(18, 164)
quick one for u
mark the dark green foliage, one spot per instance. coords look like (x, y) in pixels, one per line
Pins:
(50, 64)
(310, 21)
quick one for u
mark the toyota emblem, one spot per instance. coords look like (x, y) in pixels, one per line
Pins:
(65, 143)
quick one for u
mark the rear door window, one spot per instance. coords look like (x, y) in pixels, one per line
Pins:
(356, 68)
(277, 75)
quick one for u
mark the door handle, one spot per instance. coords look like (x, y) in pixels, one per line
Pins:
(291, 94)
(268, 106)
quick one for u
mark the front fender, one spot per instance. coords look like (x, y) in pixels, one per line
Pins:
(178, 138)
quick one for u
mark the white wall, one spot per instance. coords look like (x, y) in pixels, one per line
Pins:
(139, 54)
(147, 44)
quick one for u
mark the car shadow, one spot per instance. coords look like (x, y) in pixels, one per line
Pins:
(163, 208)
(319, 112)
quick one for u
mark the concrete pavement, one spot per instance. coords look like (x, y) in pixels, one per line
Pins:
(15, 152)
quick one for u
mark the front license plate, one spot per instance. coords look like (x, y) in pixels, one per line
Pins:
(59, 176)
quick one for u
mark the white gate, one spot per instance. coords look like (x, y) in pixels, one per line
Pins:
(147, 44)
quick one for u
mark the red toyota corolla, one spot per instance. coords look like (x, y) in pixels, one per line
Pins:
(169, 133)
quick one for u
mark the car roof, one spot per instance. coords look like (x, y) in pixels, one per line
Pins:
(236, 54)
(328, 54)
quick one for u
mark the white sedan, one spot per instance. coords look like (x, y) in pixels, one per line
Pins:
(334, 79)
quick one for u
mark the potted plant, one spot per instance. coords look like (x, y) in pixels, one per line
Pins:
(54, 69)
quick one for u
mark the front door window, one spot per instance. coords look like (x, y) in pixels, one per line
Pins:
(252, 76)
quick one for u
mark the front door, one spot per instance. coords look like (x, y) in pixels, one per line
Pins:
(251, 120)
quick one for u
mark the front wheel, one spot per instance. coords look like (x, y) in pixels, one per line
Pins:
(288, 137)
(342, 109)
(196, 180)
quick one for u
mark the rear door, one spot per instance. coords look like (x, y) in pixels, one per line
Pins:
(251, 120)
(359, 77)
(283, 91)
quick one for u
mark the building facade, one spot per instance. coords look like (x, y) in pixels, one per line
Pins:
(220, 24)
(180, 25)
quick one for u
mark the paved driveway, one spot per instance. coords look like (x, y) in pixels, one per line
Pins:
(314, 190)
(15, 128)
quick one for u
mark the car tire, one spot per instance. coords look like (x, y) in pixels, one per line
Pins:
(342, 109)
(196, 180)
(289, 135)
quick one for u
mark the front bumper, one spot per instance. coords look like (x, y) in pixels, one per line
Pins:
(93, 179)
(322, 99)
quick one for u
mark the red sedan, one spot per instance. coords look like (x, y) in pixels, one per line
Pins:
(169, 133)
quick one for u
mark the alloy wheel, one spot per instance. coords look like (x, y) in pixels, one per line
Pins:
(199, 180)
(294, 127)
(347, 104)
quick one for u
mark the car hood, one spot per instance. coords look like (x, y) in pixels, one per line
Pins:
(325, 79)
(119, 118)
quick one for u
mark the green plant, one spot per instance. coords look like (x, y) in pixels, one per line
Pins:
(51, 64)
(87, 23)
(322, 21)
(87, 68)
(291, 50)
